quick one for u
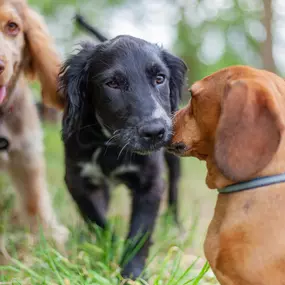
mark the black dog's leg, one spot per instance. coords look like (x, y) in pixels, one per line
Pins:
(174, 172)
(91, 200)
(145, 206)
(92, 206)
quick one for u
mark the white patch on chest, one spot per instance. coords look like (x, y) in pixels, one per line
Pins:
(93, 171)
(123, 169)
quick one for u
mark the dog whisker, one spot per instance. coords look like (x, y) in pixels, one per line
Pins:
(121, 151)
(108, 143)
(111, 139)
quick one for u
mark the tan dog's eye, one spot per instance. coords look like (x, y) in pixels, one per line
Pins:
(12, 29)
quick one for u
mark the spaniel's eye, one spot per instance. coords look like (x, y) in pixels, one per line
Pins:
(12, 28)
(159, 79)
(113, 84)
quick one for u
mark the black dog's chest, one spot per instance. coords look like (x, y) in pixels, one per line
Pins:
(110, 166)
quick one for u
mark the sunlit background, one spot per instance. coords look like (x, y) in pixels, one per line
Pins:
(208, 35)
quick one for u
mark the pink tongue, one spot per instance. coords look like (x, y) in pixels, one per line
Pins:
(3, 92)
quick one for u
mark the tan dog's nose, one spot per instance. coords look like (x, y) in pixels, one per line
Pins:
(2, 66)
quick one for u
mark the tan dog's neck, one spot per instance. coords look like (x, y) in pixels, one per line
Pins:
(216, 180)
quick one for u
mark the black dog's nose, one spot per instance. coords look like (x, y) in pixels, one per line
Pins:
(152, 132)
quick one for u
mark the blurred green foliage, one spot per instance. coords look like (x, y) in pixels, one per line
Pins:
(49, 7)
(207, 34)
(229, 24)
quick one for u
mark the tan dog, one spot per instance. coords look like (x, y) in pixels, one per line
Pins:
(235, 122)
(27, 51)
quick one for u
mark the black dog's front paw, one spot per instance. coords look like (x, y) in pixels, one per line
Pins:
(134, 268)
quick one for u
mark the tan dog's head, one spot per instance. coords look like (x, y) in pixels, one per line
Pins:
(25, 45)
(233, 121)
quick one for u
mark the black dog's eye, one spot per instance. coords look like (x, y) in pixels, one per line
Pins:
(113, 84)
(159, 79)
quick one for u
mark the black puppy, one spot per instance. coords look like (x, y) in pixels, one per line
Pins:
(172, 161)
(120, 96)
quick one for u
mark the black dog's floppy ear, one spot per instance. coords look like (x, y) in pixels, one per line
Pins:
(73, 84)
(178, 71)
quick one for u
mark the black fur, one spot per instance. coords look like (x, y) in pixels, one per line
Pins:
(172, 161)
(112, 89)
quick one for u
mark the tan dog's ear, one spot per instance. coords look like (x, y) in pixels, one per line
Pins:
(248, 132)
(44, 62)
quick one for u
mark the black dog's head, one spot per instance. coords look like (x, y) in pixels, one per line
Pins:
(130, 86)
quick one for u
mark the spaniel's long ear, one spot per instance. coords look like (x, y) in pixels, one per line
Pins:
(249, 130)
(44, 62)
(73, 84)
(178, 71)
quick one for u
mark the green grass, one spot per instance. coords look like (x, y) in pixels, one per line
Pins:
(93, 258)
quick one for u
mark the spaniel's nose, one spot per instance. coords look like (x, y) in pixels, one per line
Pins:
(2, 66)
